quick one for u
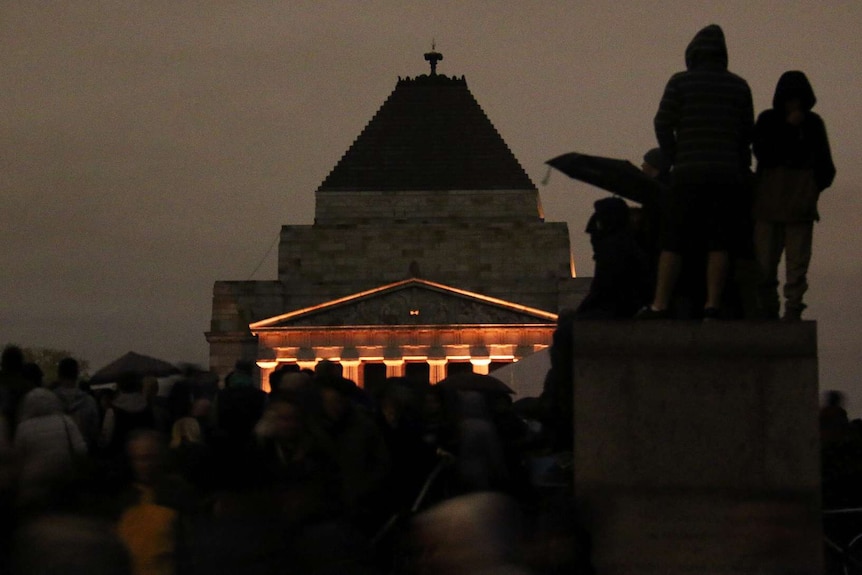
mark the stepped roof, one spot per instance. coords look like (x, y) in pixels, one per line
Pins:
(429, 134)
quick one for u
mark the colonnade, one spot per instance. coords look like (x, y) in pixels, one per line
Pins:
(352, 368)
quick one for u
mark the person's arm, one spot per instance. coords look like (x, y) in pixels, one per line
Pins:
(824, 168)
(746, 131)
(667, 119)
(76, 439)
(758, 139)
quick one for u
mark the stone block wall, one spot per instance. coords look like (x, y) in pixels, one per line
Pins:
(697, 446)
(352, 207)
(227, 348)
(235, 305)
(238, 303)
(572, 292)
(521, 262)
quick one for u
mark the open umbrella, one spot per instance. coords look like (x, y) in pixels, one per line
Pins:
(141, 365)
(470, 381)
(619, 177)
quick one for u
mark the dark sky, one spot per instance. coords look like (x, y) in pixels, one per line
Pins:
(150, 149)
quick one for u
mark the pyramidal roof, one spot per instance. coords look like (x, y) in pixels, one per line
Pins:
(429, 134)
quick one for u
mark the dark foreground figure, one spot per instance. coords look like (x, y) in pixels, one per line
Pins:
(704, 127)
(794, 165)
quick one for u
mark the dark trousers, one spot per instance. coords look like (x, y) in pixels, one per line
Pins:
(793, 239)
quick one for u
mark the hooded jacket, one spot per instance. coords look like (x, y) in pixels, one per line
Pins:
(83, 409)
(777, 143)
(705, 120)
(46, 441)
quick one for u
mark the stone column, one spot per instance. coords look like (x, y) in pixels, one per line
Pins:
(394, 367)
(438, 369)
(480, 364)
(306, 358)
(351, 370)
(480, 358)
(307, 364)
(266, 368)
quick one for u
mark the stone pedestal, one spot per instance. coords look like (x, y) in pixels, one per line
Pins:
(696, 446)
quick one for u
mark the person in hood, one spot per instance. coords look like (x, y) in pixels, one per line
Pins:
(239, 406)
(47, 442)
(77, 403)
(794, 164)
(704, 127)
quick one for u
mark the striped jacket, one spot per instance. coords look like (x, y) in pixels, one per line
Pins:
(705, 120)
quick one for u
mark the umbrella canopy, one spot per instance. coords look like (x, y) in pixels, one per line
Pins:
(474, 382)
(141, 365)
(619, 177)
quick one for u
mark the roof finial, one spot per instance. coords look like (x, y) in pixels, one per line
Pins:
(433, 57)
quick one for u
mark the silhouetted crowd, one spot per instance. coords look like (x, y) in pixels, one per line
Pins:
(841, 454)
(707, 240)
(841, 476)
(193, 475)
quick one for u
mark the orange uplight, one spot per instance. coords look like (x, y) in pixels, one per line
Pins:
(273, 322)
(481, 365)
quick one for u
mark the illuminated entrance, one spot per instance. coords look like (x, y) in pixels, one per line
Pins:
(408, 328)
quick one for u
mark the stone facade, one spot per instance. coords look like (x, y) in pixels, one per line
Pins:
(238, 303)
(410, 323)
(429, 190)
(420, 206)
(517, 261)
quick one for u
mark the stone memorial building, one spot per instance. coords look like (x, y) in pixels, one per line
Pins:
(428, 255)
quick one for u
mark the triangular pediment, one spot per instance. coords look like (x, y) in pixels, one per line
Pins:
(410, 302)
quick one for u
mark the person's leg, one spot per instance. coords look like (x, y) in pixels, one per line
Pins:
(668, 272)
(798, 239)
(674, 232)
(768, 245)
(716, 274)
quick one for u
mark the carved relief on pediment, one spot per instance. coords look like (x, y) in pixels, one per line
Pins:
(414, 306)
